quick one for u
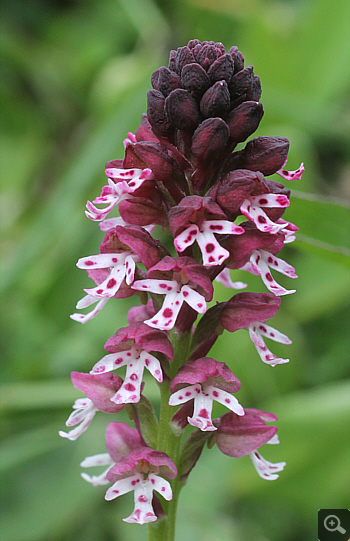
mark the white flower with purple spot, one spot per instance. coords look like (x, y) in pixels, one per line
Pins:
(256, 331)
(122, 183)
(212, 252)
(266, 470)
(252, 209)
(291, 175)
(84, 412)
(135, 360)
(260, 263)
(143, 512)
(103, 459)
(203, 396)
(121, 266)
(175, 294)
(224, 278)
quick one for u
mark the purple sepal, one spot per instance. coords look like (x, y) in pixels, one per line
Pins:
(143, 459)
(149, 250)
(236, 186)
(138, 314)
(99, 389)
(179, 420)
(238, 436)
(139, 211)
(144, 131)
(143, 336)
(241, 246)
(264, 154)
(205, 369)
(246, 308)
(209, 140)
(121, 439)
(193, 209)
(244, 120)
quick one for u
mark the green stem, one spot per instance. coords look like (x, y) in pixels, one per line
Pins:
(169, 442)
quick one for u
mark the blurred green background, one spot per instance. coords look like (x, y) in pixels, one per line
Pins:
(74, 82)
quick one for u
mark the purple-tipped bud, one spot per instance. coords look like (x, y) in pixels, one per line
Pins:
(216, 100)
(182, 110)
(254, 94)
(244, 120)
(184, 56)
(237, 57)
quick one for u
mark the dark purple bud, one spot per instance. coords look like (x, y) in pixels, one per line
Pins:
(246, 308)
(265, 154)
(210, 139)
(184, 56)
(241, 83)
(172, 61)
(195, 79)
(237, 57)
(205, 55)
(244, 120)
(156, 112)
(255, 92)
(222, 69)
(165, 80)
(216, 100)
(236, 187)
(182, 110)
(192, 43)
(220, 48)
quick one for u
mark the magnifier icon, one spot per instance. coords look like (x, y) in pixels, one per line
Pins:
(332, 524)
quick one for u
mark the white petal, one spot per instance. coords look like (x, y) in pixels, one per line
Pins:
(83, 318)
(270, 200)
(101, 261)
(222, 227)
(265, 354)
(184, 395)
(212, 252)
(266, 470)
(201, 418)
(111, 362)
(260, 218)
(274, 440)
(109, 287)
(224, 278)
(123, 486)
(226, 399)
(260, 266)
(186, 238)
(270, 332)
(194, 299)
(130, 269)
(153, 365)
(278, 264)
(103, 459)
(161, 485)
(80, 429)
(143, 512)
(166, 317)
(162, 287)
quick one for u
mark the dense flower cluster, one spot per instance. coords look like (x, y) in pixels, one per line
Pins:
(180, 172)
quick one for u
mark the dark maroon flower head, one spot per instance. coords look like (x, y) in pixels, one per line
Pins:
(202, 83)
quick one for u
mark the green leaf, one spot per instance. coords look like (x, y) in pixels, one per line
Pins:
(148, 421)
